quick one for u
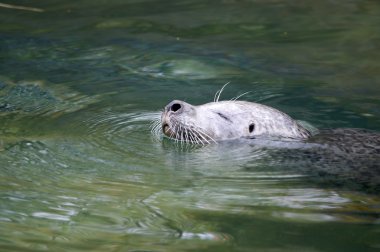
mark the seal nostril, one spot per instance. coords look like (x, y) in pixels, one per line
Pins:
(175, 107)
(251, 127)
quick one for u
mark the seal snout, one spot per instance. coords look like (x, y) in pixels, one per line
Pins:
(172, 114)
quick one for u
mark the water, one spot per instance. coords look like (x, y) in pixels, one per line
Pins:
(81, 82)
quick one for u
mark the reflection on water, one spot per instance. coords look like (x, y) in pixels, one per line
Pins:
(82, 82)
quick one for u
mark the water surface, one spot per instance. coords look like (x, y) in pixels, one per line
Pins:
(81, 83)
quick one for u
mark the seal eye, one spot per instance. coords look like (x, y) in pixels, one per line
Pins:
(175, 107)
(251, 127)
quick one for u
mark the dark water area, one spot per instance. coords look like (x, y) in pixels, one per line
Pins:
(81, 83)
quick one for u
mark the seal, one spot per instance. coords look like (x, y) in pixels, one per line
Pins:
(339, 157)
(227, 120)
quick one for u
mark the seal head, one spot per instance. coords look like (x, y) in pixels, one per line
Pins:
(225, 120)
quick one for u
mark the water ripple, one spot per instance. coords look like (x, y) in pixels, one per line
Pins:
(40, 98)
(121, 132)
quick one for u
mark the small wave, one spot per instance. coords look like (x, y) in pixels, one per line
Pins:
(121, 132)
(36, 98)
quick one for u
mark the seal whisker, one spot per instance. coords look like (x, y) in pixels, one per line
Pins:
(219, 92)
(158, 126)
(188, 137)
(155, 128)
(197, 139)
(182, 135)
(173, 131)
(155, 131)
(156, 120)
(153, 124)
(177, 132)
(178, 135)
(207, 135)
(185, 135)
(194, 137)
(205, 140)
(239, 96)
(201, 135)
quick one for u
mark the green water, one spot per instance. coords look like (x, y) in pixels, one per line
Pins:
(82, 81)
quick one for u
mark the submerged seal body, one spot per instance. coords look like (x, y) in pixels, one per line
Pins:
(225, 120)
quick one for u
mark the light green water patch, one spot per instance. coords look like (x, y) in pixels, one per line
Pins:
(35, 97)
(145, 26)
(187, 69)
(31, 109)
